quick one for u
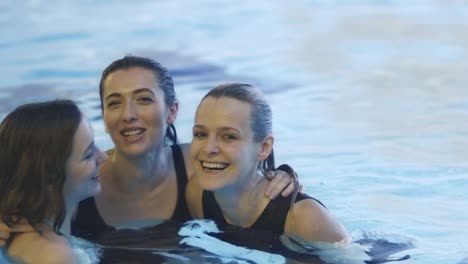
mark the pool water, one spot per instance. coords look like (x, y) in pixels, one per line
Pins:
(369, 98)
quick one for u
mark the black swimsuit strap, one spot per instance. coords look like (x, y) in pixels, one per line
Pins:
(211, 209)
(273, 217)
(181, 212)
(88, 221)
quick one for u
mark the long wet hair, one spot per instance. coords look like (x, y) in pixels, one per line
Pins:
(162, 75)
(36, 140)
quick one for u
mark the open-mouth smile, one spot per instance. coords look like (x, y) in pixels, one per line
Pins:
(216, 166)
(132, 132)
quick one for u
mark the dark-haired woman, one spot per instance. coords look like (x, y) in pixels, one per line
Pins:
(48, 164)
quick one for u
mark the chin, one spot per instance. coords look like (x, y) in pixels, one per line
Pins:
(138, 150)
(212, 183)
(92, 191)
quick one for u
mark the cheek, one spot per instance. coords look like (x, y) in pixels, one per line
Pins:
(72, 178)
(78, 175)
(194, 148)
(109, 118)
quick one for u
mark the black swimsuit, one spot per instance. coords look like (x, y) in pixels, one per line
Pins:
(273, 217)
(88, 222)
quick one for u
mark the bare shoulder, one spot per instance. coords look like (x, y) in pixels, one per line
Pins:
(309, 220)
(188, 161)
(193, 195)
(34, 248)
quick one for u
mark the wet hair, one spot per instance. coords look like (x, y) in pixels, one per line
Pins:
(260, 114)
(162, 75)
(260, 121)
(36, 140)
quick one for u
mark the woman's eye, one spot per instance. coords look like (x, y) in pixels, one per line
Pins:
(229, 137)
(88, 156)
(111, 104)
(146, 99)
(199, 134)
(90, 153)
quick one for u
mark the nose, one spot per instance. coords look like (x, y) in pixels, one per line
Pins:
(211, 146)
(129, 113)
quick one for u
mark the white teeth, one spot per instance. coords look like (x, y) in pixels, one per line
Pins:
(132, 132)
(214, 165)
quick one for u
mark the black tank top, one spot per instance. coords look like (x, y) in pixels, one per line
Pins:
(88, 223)
(273, 217)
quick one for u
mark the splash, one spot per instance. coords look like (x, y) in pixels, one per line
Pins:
(85, 251)
(196, 234)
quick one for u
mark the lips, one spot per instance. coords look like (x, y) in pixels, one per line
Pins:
(95, 178)
(214, 166)
(132, 132)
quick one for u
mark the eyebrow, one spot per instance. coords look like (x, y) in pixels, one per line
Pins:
(220, 129)
(137, 91)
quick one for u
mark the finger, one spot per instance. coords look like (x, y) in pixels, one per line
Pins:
(270, 175)
(4, 235)
(22, 227)
(278, 185)
(288, 190)
(270, 188)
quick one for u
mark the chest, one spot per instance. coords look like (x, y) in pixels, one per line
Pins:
(147, 207)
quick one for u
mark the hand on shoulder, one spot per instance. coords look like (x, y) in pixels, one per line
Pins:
(193, 196)
(5, 230)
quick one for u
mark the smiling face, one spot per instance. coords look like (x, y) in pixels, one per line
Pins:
(82, 166)
(223, 149)
(135, 114)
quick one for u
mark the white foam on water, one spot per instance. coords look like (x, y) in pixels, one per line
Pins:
(174, 256)
(85, 251)
(195, 233)
(340, 252)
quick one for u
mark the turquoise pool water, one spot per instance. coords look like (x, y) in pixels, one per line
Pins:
(369, 97)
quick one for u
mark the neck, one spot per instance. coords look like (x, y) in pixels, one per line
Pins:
(137, 174)
(70, 210)
(249, 203)
(70, 207)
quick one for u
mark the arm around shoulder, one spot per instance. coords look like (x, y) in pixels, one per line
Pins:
(193, 195)
(185, 147)
(312, 222)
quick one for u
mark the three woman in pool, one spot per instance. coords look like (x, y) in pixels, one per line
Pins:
(231, 149)
(139, 106)
(48, 164)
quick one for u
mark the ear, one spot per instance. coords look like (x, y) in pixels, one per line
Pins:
(266, 147)
(173, 109)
